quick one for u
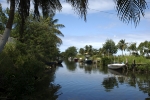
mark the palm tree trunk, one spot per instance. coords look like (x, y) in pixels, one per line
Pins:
(8, 28)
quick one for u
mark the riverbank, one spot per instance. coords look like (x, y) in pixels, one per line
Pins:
(134, 63)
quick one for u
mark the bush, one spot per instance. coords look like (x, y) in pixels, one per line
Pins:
(106, 61)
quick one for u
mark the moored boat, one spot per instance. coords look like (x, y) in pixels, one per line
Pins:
(76, 59)
(88, 61)
(115, 66)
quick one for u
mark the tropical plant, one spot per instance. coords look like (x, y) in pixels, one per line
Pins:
(128, 10)
(102, 51)
(41, 38)
(88, 49)
(132, 47)
(122, 45)
(81, 51)
(95, 51)
(144, 48)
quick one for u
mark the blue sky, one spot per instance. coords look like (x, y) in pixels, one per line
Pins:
(102, 24)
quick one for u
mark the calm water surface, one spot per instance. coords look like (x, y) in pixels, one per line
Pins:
(96, 82)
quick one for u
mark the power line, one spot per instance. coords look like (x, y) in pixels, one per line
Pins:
(102, 11)
(109, 12)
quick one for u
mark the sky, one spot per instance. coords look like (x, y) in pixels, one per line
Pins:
(102, 24)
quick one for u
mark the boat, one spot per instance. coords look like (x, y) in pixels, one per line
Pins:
(75, 59)
(88, 61)
(116, 66)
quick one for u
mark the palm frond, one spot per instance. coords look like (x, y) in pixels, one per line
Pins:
(57, 32)
(80, 7)
(130, 10)
(49, 6)
(54, 21)
(59, 26)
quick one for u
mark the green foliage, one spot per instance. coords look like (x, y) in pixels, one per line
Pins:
(89, 49)
(21, 76)
(3, 19)
(122, 45)
(110, 47)
(22, 61)
(138, 59)
(144, 48)
(132, 48)
(71, 52)
(39, 38)
(81, 51)
(106, 61)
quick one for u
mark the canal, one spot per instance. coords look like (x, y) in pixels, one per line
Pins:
(95, 82)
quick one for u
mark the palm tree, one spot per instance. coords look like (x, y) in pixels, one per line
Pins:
(81, 51)
(55, 28)
(6, 33)
(128, 10)
(86, 49)
(144, 47)
(141, 48)
(122, 45)
(132, 48)
(90, 50)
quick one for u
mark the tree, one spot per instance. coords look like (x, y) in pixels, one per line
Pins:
(40, 38)
(102, 51)
(3, 19)
(88, 49)
(81, 51)
(132, 48)
(141, 48)
(144, 48)
(71, 51)
(110, 47)
(122, 45)
(95, 51)
(128, 10)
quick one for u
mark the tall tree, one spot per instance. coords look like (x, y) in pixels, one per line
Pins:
(132, 47)
(128, 10)
(122, 45)
(144, 48)
(88, 49)
(81, 51)
(71, 51)
(40, 37)
(110, 47)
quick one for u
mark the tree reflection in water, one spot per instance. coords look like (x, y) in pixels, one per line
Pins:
(23, 86)
(109, 83)
(116, 78)
(71, 65)
(46, 89)
(142, 80)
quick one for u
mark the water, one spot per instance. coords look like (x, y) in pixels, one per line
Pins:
(96, 82)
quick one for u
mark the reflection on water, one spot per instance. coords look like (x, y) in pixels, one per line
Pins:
(109, 83)
(23, 86)
(80, 81)
(71, 66)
